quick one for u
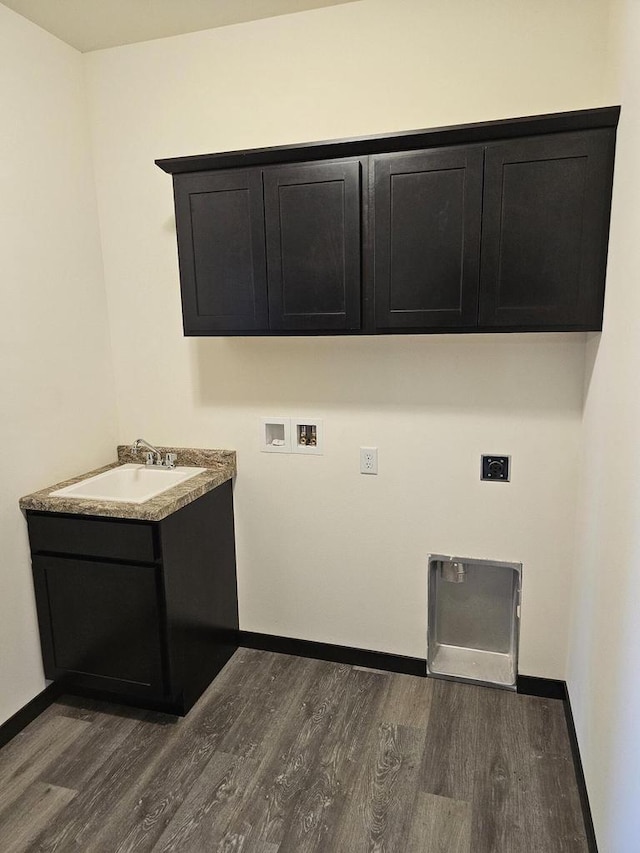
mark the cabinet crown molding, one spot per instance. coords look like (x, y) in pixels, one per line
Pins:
(461, 134)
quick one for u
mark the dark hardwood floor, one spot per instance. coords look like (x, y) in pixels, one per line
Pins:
(292, 755)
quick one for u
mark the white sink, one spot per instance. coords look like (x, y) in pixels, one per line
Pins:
(128, 483)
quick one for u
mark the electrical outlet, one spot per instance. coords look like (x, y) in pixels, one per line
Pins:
(496, 468)
(368, 460)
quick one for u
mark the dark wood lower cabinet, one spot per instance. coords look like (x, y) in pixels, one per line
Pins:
(155, 631)
(103, 620)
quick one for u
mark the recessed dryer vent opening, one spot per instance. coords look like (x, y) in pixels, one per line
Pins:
(474, 620)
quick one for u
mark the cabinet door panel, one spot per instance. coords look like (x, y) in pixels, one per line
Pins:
(220, 223)
(427, 238)
(313, 246)
(544, 232)
(100, 619)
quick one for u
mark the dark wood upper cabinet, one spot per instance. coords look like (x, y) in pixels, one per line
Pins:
(221, 251)
(493, 226)
(544, 230)
(312, 215)
(428, 209)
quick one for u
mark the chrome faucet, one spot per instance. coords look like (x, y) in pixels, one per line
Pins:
(154, 457)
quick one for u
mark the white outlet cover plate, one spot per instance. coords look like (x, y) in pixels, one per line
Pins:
(368, 460)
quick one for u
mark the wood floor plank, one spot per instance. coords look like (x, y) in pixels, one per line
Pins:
(314, 820)
(29, 755)
(556, 804)
(503, 820)
(204, 732)
(223, 781)
(241, 666)
(245, 804)
(378, 817)
(90, 749)
(29, 813)
(289, 768)
(44, 735)
(291, 755)
(407, 701)
(231, 844)
(119, 779)
(440, 825)
(272, 682)
(451, 744)
(236, 844)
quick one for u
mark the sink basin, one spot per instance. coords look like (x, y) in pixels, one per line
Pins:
(128, 483)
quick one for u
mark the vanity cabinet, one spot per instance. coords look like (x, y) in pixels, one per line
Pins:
(491, 227)
(137, 611)
(270, 249)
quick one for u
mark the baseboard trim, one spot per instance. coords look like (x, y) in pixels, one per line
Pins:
(546, 688)
(333, 653)
(174, 708)
(27, 714)
(579, 771)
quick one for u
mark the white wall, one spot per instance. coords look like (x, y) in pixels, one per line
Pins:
(58, 410)
(604, 650)
(323, 552)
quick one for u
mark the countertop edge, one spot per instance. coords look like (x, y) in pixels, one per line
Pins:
(155, 509)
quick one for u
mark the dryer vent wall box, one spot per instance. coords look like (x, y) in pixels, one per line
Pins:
(474, 620)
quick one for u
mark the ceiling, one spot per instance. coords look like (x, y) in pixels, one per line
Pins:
(95, 24)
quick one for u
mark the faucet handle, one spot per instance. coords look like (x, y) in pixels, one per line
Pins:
(170, 460)
(148, 457)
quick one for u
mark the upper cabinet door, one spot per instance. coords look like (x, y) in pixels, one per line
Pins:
(428, 208)
(545, 230)
(220, 226)
(312, 214)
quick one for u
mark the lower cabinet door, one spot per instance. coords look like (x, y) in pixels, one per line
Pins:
(100, 624)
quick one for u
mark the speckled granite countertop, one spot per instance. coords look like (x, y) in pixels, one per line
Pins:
(220, 465)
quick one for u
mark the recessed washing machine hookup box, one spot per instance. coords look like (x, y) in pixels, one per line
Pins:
(473, 622)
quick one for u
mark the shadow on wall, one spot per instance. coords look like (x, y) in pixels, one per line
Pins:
(535, 374)
(592, 347)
